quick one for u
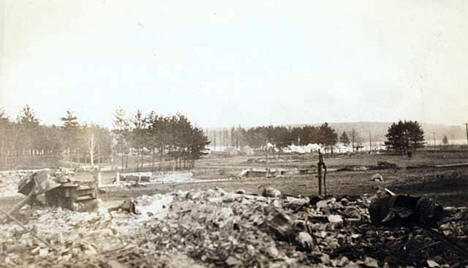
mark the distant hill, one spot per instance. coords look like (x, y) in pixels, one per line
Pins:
(379, 129)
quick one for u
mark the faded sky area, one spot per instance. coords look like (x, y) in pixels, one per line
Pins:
(225, 63)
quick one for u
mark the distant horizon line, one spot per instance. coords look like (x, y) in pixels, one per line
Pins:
(338, 122)
(46, 123)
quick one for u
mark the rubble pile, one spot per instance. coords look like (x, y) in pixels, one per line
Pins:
(74, 238)
(8, 185)
(218, 228)
(223, 228)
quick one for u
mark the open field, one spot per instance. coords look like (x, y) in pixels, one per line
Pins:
(449, 185)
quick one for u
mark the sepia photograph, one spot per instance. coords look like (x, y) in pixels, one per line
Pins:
(210, 133)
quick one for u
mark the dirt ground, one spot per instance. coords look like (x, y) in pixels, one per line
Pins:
(447, 185)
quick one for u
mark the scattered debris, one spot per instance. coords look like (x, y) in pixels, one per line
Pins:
(314, 199)
(218, 228)
(380, 165)
(127, 205)
(240, 191)
(386, 165)
(431, 264)
(408, 211)
(371, 262)
(377, 178)
(59, 190)
(335, 219)
(263, 172)
(24, 227)
(350, 168)
(142, 179)
(271, 192)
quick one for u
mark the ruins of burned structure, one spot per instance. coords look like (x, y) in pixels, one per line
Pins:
(59, 191)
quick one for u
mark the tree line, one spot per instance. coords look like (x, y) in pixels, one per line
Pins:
(172, 138)
(402, 137)
(281, 136)
(26, 143)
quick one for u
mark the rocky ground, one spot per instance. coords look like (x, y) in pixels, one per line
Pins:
(215, 228)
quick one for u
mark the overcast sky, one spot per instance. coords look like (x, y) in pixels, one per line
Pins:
(225, 63)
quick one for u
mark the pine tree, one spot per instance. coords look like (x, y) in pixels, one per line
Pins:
(121, 130)
(355, 140)
(27, 124)
(344, 138)
(138, 136)
(72, 134)
(445, 140)
(27, 118)
(327, 136)
(405, 136)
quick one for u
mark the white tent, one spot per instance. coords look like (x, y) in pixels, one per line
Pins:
(302, 149)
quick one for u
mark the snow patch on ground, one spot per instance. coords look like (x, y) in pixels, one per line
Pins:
(155, 206)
